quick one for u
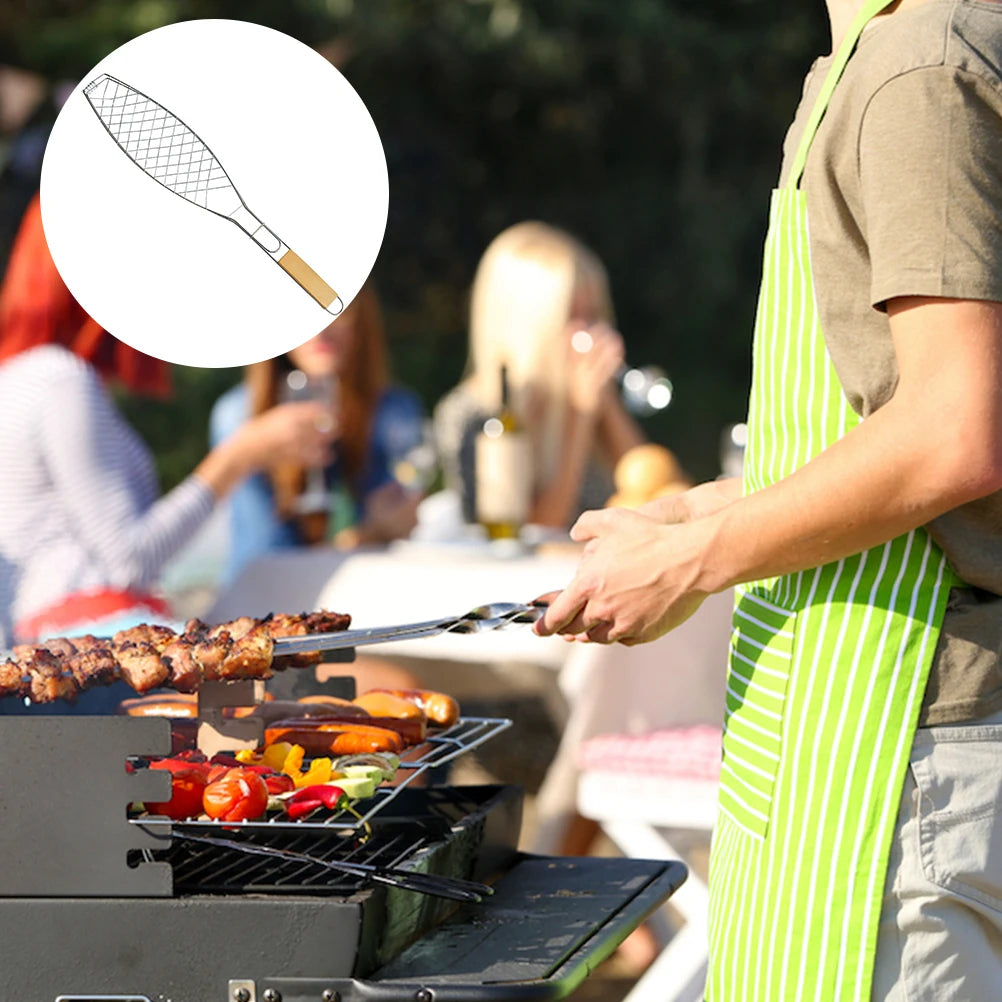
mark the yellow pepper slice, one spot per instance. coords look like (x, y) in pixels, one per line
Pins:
(293, 764)
(276, 754)
(318, 772)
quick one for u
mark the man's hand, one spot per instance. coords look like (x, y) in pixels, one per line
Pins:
(935, 445)
(631, 584)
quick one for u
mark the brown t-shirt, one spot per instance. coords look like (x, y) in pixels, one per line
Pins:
(904, 197)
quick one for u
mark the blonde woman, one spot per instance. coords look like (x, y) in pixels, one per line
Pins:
(540, 306)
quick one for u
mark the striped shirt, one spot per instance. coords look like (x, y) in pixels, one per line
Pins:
(78, 490)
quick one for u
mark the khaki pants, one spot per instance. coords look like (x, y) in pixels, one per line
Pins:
(940, 937)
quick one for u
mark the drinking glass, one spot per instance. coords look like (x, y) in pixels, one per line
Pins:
(644, 389)
(315, 498)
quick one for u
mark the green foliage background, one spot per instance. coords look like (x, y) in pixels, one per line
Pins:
(651, 128)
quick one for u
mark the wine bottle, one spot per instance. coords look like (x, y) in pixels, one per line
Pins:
(503, 471)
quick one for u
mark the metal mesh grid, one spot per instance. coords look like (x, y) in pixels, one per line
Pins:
(210, 869)
(157, 140)
(214, 869)
(437, 750)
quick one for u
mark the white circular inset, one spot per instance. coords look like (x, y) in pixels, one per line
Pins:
(209, 187)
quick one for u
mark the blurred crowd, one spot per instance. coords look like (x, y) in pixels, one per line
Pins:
(316, 448)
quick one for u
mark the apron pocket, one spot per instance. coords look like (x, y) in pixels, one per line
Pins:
(760, 663)
(958, 771)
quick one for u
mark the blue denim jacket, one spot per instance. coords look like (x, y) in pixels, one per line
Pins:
(255, 529)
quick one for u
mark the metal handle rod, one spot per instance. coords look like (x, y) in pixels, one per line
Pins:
(455, 888)
(483, 617)
(359, 638)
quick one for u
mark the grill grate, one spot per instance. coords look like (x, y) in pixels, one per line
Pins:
(213, 869)
(425, 816)
(437, 750)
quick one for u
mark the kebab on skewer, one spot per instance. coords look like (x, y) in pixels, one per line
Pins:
(148, 657)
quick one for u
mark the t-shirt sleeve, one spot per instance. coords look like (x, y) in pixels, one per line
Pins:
(930, 156)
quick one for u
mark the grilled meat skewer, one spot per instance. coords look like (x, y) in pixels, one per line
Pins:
(149, 656)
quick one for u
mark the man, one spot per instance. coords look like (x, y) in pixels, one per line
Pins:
(858, 852)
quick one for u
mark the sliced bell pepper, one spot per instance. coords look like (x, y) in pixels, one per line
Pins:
(278, 783)
(276, 754)
(293, 763)
(318, 772)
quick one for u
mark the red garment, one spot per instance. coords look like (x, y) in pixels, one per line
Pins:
(85, 607)
(36, 308)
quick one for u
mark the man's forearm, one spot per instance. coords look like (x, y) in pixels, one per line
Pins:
(892, 473)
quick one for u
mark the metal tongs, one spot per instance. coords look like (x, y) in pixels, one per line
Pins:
(494, 616)
(436, 884)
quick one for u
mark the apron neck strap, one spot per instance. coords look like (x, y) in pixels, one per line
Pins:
(869, 10)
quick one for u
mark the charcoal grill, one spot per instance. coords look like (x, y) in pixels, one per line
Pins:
(96, 905)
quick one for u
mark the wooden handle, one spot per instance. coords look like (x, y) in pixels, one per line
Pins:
(304, 275)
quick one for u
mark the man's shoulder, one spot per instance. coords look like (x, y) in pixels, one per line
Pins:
(957, 36)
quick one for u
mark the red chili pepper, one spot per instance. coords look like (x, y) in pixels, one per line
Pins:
(309, 798)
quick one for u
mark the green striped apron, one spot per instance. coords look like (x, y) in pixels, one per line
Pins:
(827, 673)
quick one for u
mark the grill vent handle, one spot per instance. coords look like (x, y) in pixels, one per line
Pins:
(103, 998)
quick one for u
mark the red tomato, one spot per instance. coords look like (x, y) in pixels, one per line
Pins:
(239, 795)
(217, 772)
(187, 784)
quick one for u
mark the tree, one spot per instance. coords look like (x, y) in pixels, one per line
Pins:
(650, 128)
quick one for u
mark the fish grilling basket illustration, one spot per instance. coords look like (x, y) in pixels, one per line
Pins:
(171, 153)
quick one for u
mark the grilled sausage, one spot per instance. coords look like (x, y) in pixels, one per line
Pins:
(385, 704)
(275, 710)
(440, 708)
(411, 729)
(177, 707)
(319, 738)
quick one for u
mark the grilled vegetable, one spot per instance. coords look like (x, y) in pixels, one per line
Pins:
(188, 780)
(310, 798)
(239, 795)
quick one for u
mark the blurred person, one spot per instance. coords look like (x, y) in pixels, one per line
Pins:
(535, 288)
(376, 424)
(83, 533)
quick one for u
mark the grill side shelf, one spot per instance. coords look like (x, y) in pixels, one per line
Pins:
(64, 792)
(549, 924)
(437, 750)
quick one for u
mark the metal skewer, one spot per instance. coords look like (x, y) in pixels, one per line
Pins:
(438, 885)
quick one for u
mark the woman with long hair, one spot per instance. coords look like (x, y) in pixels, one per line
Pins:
(84, 533)
(540, 306)
(376, 424)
